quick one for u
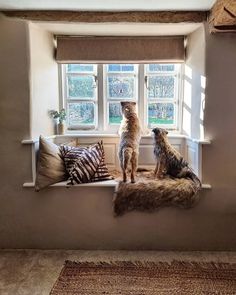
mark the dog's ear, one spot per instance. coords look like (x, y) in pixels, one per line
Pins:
(122, 103)
(154, 130)
(166, 132)
(133, 103)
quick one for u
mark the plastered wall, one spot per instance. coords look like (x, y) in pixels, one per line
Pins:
(81, 218)
(195, 84)
(43, 82)
(220, 116)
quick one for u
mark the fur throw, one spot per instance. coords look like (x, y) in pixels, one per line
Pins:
(150, 194)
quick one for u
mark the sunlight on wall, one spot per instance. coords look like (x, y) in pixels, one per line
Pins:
(193, 103)
(187, 122)
(187, 105)
(202, 106)
(203, 82)
(188, 72)
(187, 94)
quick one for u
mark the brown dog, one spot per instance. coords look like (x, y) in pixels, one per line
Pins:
(169, 161)
(130, 134)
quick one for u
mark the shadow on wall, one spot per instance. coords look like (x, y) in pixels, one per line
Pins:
(194, 103)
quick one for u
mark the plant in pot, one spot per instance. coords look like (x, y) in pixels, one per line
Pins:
(60, 117)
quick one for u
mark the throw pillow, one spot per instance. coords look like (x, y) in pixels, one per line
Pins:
(50, 165)
(102, 172)
(85, 164)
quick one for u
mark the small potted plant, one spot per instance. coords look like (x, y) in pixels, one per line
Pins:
(61, 117)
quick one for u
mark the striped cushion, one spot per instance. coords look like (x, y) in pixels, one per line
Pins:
(102, 172)
(85, 164)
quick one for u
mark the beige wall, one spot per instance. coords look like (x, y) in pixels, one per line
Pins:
(220, 116)
(44, 81)
(82, 217)
(14, 125)
(14, 108)
(194, 84)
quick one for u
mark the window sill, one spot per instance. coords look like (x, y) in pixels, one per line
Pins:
(110, 135)
(107, 183)
(190, 148)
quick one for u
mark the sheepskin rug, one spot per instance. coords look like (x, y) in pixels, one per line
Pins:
(150, 194)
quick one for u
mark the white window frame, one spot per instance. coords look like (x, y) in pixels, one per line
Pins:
(177, 74)
(68, 100)
(115, 127)
(102, 100)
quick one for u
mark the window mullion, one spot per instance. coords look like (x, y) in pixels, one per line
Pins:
(142, 104)
(100, 100)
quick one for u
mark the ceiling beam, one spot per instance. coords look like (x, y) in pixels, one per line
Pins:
(103, 17)
(222, 17)
(230, 7)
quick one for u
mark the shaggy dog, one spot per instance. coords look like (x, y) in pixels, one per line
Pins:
(169, 161)
(130, 134)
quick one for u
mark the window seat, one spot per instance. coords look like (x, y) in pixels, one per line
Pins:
(106, 183)
(190, 148)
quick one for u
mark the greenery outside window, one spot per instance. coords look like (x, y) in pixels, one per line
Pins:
(92, 95)
(162, 95)
(80, 92)
(120, 83)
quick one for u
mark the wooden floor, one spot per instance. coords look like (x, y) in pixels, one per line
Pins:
(33, 272)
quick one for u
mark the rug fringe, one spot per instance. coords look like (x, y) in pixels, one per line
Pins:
(151, 264)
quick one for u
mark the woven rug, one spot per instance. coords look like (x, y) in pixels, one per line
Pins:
(146, 278)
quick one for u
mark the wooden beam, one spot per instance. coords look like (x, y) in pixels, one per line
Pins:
(230, 7)
(103, 17)
(222, 17)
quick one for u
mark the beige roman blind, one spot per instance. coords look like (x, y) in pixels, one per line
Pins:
(119, 49)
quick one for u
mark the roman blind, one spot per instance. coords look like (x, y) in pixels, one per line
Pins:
(119, 49)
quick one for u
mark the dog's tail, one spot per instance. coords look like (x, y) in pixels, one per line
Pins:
(187, 172)
(190, 174)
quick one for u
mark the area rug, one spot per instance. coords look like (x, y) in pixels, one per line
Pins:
(146, 278)
(149, 194)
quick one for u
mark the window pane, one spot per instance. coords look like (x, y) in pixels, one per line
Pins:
(160, 113)
(161, 86)
(161, 68)
(115, 113)
(81, 113)
(80, 68)
(120, 68)
(81, 86)
(120, 87)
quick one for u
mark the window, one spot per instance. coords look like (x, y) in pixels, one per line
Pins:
(162, 94)
(120, 85)
(92, 94)
(80, 94)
